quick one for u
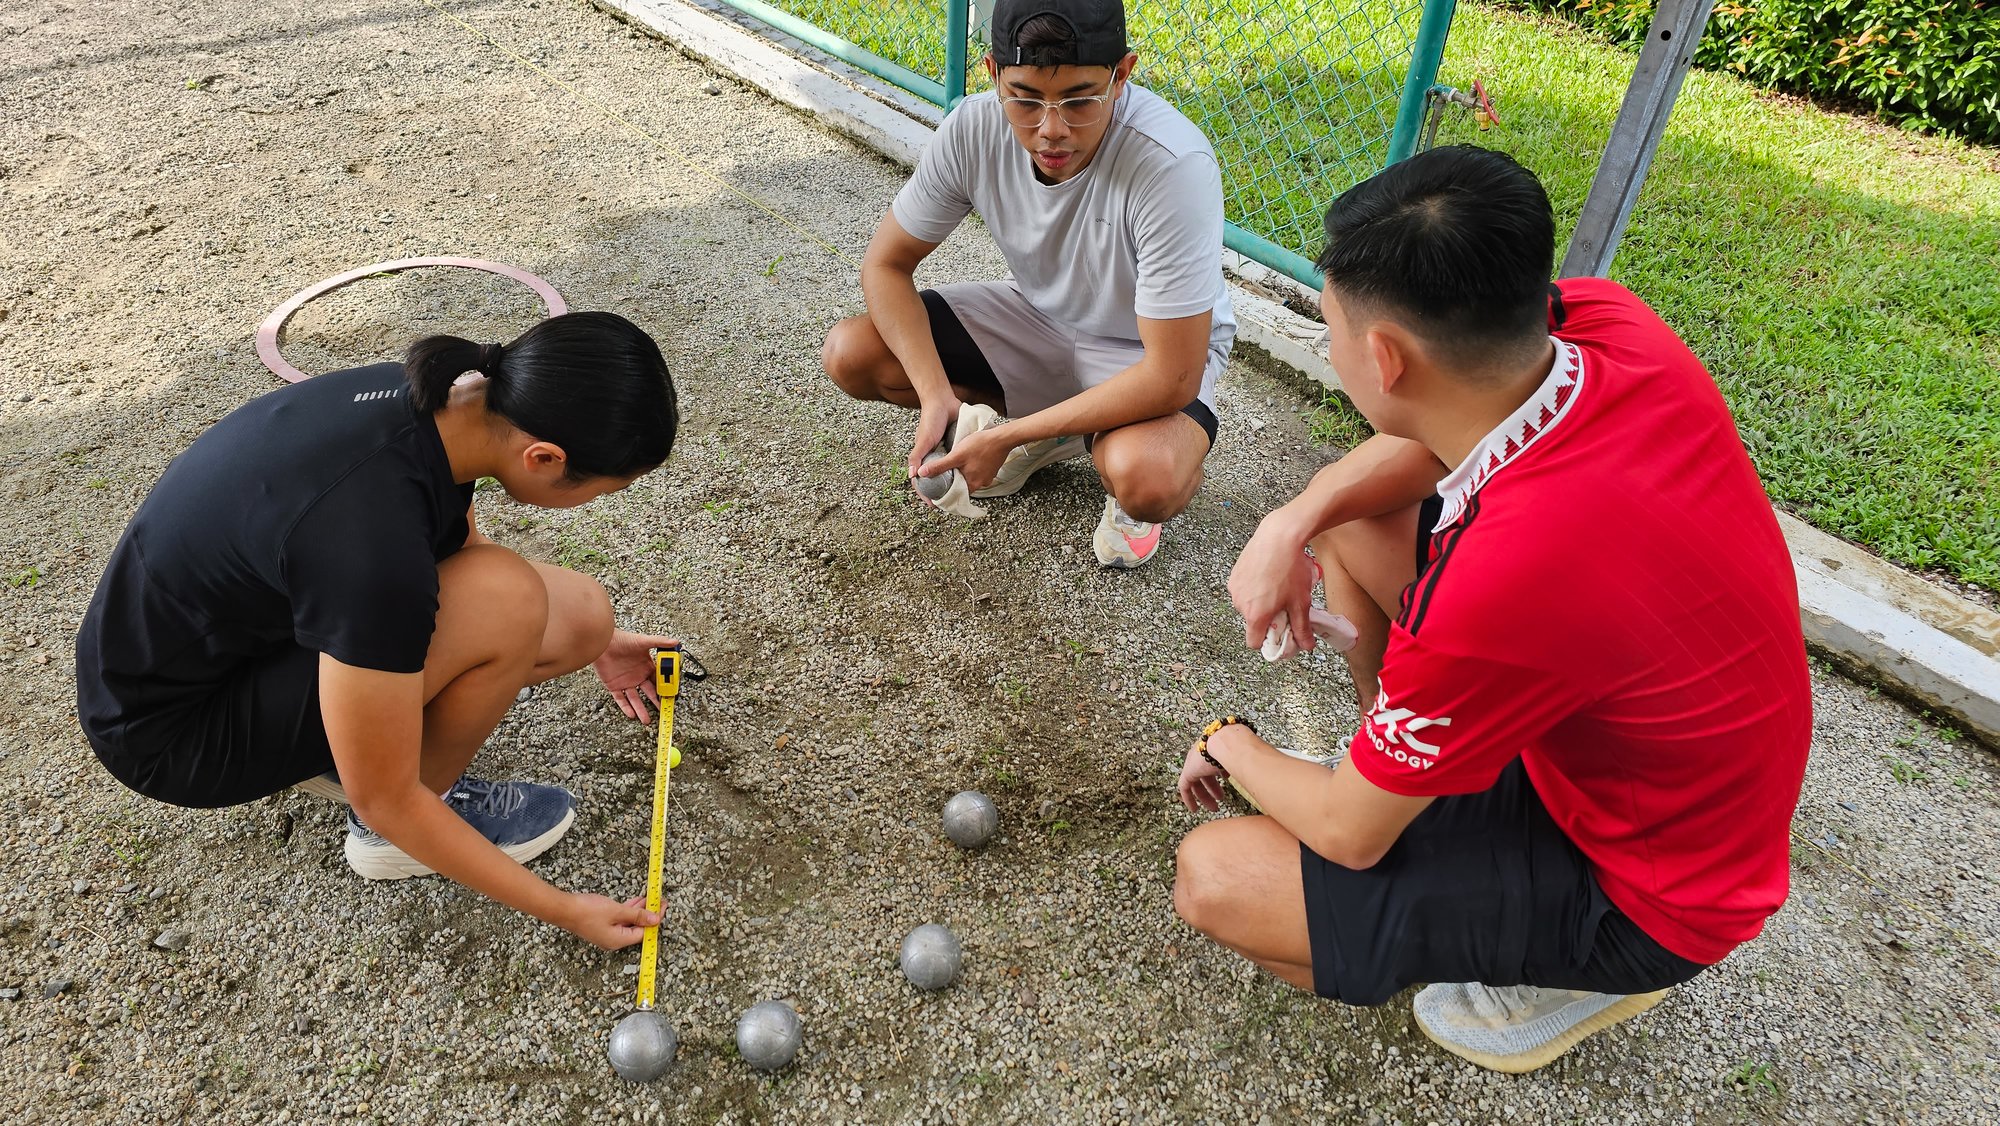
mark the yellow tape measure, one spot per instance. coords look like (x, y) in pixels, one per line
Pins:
(667, 678)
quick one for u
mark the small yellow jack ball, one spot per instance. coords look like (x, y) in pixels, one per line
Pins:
(673, 757)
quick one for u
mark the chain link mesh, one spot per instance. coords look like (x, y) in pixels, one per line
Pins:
(910, 33)
(1298, 97)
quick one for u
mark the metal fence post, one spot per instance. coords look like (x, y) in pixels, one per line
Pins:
(1425, 58)
(957, 29)
(1642, 119)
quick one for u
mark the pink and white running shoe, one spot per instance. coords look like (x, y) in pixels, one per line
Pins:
(1122, 541)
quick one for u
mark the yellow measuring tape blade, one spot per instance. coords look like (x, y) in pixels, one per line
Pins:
(667, 678)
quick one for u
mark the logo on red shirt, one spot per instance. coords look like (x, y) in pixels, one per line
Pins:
(1394, 732)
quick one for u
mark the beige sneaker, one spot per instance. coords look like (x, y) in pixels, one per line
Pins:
(1520, 1027)
(324, 786)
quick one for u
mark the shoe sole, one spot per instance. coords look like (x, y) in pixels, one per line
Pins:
(1523, 1062)
(1119, 560)
(320, 786)
(378, 864)
(1066, 452)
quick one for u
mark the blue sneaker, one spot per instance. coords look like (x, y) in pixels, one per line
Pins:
(524, 819)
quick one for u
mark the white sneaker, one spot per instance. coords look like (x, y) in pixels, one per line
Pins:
(1519, 1027)
(1121, 541)
(1022, 461)
(324, 786)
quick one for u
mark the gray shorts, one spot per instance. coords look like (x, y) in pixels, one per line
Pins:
(1039, 362)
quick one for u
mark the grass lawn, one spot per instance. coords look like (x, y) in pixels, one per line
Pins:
(1841, 279)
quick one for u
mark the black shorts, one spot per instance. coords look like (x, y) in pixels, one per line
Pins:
(1480, 887)
(251, 737)
(966, 366)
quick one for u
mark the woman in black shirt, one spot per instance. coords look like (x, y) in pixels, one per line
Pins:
(304, 594)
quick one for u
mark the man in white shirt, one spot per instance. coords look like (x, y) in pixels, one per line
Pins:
(1110, 334)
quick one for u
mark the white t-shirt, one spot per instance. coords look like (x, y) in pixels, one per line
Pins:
(1137, 233)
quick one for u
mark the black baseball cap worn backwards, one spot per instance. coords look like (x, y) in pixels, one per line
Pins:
(1097, 32)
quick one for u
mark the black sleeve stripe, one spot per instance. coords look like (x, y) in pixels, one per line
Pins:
(1417, 599)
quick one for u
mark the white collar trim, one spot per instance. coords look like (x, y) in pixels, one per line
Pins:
(1526, 426)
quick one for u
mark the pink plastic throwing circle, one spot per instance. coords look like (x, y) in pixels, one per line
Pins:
(267, 333)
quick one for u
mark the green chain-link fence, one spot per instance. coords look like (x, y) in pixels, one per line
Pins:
(1301, 99)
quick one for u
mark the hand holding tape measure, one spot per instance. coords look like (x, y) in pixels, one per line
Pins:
(643, 1044)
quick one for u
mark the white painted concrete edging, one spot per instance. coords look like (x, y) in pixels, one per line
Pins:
(1873, 620)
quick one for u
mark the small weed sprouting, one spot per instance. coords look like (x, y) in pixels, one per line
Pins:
(30, 578)
(1335, 422)
(1902, 771)
(368, 1064)
(573, 553)
(1752, 1079)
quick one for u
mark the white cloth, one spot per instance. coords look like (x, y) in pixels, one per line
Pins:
(1334, 629)
(957, 499)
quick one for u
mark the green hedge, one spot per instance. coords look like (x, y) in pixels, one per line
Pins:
(1933, 64)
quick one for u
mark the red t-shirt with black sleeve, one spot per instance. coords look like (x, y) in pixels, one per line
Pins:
(1608, 598)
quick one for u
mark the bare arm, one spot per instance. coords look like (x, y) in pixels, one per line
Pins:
(889, 286)
(1337, 813)
(1382, 474)
(374, 724)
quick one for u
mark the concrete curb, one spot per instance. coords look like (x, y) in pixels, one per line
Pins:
(1874, 621)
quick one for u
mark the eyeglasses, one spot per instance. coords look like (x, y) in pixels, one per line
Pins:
(1030, 113)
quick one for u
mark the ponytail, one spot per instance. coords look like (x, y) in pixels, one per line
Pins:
(434, 363)
(593, 383)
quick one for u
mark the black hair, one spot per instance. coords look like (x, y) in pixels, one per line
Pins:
(593, 383)
(1048, 40)
(1457, 244)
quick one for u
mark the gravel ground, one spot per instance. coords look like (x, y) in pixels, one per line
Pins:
(172, 172)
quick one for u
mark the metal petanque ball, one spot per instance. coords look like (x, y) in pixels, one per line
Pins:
(934, 488)
(970, 819)
(767, 1035)
(931, 956)
(642, 1046)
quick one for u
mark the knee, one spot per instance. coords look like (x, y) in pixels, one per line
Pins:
(1195, 886)
(1147, 488)
(846, 357)
(586, 624)
(511, 600)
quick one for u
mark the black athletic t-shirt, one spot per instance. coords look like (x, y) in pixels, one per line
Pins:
(314, 516)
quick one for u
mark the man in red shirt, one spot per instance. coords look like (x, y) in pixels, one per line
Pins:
(1586, 708)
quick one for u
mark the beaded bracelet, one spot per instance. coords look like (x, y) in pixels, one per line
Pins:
(1201, 745)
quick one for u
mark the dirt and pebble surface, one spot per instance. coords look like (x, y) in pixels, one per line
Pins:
(170, 173)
